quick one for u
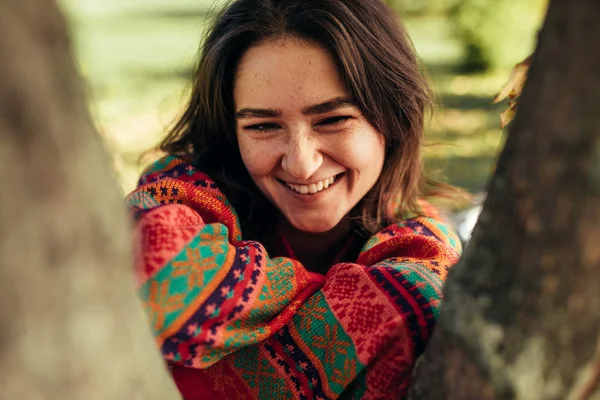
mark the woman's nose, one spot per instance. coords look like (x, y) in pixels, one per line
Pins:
(302, 157)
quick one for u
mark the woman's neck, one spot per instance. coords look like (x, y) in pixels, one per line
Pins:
(316, 251)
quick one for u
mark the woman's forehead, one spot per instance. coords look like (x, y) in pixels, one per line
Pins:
(284, 71)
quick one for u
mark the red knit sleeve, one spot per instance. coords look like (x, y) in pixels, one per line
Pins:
(230, 319)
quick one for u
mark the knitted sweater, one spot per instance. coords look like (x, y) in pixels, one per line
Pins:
(234, 323)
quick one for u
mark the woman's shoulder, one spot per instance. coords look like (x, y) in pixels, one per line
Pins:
(177, 168)
(433, 224)
(174, 185)
(418, 233)
(172, 179)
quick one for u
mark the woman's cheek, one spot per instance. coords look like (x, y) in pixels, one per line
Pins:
(246, 153)
(257, 157)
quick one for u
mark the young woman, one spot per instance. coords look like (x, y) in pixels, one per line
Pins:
(284, 249)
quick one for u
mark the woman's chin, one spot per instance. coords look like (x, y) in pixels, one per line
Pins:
(319, 226)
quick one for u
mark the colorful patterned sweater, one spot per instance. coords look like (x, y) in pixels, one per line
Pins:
(234, 323)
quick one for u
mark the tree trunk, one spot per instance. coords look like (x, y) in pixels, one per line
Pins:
(70, 324)
(521, 315)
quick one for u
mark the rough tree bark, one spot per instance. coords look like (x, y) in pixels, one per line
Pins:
(521, 315)
(70, 325)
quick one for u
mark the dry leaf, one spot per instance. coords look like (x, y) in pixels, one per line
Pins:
(512, 89)
(508, 114)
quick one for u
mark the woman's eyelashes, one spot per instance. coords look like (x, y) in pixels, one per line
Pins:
(263, 127)
(270, 127)
(334, 120)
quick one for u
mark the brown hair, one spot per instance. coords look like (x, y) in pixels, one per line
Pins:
(378, 65)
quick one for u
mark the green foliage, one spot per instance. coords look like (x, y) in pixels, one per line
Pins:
(494, 34)
(498, 33)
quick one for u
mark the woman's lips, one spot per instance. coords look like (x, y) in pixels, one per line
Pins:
(315, 189)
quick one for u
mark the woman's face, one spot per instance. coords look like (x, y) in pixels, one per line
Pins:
(305, 144)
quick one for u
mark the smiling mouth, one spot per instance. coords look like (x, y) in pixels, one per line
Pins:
(312, 188)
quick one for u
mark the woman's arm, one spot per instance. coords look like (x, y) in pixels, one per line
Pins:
(214, 300)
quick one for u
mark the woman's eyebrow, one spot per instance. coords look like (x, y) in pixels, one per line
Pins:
(321, 108)
(257, 113)
(329, 105)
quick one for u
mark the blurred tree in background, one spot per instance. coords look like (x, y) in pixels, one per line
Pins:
(493, 33)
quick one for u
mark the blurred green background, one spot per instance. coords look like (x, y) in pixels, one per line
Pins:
(135, 56)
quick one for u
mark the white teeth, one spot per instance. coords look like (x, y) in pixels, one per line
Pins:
(313, 187)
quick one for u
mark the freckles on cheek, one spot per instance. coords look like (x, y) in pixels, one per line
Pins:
(246, 154)
(256, 161)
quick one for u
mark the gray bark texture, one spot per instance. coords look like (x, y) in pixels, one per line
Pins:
(521, 315)
(70, 324)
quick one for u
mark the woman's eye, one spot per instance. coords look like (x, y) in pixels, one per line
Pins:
(263, 127)
(335, 120)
